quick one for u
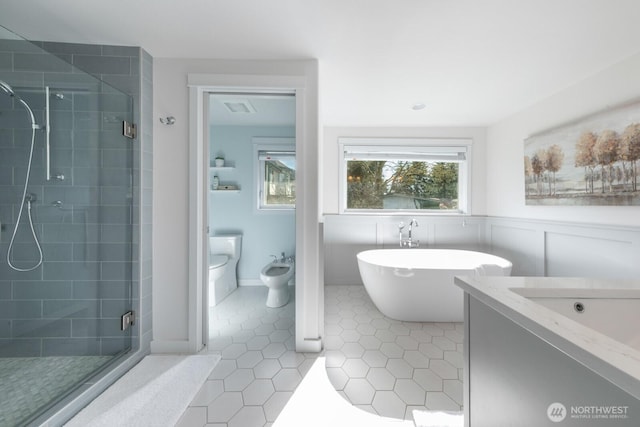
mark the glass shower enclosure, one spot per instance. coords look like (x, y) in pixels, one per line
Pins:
(65, 228)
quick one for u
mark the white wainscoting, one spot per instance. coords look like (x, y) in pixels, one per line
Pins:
(535, 247)
(564, 249)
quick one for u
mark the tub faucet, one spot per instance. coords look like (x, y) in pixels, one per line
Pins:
(411, 224)
(409, 242)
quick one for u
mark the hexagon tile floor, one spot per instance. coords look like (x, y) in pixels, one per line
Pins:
(259, 369)
(386, 366)
(380, 365)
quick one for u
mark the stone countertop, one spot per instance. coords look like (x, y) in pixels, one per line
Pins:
(617, 362)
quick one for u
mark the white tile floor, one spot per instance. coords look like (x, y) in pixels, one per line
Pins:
(386, 366)
(380, 365)
(259, 369)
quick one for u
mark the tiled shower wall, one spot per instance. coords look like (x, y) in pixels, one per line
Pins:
(97, 291)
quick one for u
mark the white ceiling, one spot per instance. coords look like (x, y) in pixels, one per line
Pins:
(472, 62)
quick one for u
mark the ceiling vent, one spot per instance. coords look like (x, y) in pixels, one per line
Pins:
(239, 106)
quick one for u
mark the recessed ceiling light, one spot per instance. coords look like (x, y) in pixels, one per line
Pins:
(418, 106)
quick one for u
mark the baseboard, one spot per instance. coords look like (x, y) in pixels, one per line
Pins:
(309, 345)
(174, 347)
(250, 282)
(257, 282)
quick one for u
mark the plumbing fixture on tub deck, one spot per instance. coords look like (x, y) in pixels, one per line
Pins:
(408, 242)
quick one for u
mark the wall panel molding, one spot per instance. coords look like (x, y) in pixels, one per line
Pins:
(535, 247)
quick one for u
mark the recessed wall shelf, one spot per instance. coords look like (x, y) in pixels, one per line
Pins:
(221, 168)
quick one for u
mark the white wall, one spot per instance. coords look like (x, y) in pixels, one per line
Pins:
(331, 158)
(171, 200)
(171, 190)
(505, 146)
(263, 233)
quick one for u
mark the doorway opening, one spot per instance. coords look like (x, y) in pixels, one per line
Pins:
(252, 208)
(300, 83)
(251, 197)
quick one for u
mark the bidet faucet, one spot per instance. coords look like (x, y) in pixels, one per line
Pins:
(283, 259)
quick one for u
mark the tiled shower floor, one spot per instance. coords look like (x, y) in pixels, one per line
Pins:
(379, 365)
(29, 383)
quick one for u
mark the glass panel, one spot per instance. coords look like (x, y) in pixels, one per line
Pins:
(66, 237)
(402, 185)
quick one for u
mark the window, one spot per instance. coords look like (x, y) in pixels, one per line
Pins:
(419, 175)
(276, 171)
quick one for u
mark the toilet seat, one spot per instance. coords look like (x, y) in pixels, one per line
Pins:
(216, 260)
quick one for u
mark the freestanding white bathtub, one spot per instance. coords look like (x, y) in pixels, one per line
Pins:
(416, 285)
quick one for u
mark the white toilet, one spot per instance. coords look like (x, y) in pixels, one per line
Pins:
(276, 275)
(224, 253)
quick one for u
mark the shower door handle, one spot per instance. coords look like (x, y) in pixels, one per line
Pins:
(47, 130)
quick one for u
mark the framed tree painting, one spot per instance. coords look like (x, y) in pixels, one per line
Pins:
(592, 161)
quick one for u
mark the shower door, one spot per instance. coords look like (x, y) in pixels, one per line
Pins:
(66, 213)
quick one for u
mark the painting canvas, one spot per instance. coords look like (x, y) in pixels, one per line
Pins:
(593, 161)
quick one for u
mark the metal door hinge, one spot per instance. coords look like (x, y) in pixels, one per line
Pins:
(129, 129)
(126, 320)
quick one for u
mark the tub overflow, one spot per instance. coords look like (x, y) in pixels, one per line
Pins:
(578, 307)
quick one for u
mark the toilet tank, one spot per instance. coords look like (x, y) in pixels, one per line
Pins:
(226, 244)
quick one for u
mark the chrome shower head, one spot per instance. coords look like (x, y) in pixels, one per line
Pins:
(8, 89)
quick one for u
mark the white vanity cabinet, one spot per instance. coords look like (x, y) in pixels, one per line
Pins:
(519, 374)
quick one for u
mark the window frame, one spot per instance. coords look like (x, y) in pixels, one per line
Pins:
(419, 147)
(284, 145)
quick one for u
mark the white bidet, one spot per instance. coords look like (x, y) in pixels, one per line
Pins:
(276, 276)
